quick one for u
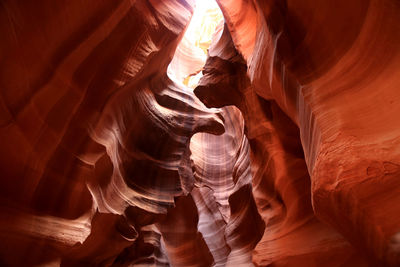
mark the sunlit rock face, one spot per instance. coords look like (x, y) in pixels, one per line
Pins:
(95, 136)
(293, 236)
(332, 68)
(191, 53)
(167, 133)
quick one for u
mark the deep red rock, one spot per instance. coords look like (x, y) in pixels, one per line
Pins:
(285, 154)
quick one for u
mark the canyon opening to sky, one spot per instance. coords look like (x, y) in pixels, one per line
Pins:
(191, 53)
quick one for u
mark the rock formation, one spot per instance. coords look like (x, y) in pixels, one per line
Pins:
(285, 153)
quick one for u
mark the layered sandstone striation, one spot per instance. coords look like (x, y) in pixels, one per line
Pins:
(332, 68)
(95, 136)
(293, 236)
(286, 153)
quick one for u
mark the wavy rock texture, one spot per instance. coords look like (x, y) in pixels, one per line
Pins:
(75, 132)
(288, 156)
(281, 185)
(229, 221)
(332, 67)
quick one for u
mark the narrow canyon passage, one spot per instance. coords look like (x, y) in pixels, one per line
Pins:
(220, 163)
(200, 133)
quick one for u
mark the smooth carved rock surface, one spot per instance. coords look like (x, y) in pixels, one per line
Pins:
(281, 184)
(80, 105)
(229, 220)
(333, 68)
(285, 154)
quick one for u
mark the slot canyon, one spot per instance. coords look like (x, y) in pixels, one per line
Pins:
(200, 133)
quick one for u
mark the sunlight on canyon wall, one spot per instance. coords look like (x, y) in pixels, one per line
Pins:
(200, 133)
(191, 53)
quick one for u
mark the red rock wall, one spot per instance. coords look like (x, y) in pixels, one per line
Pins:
(84, 93)
(293, 236)
(333, 68)
(106, 160)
